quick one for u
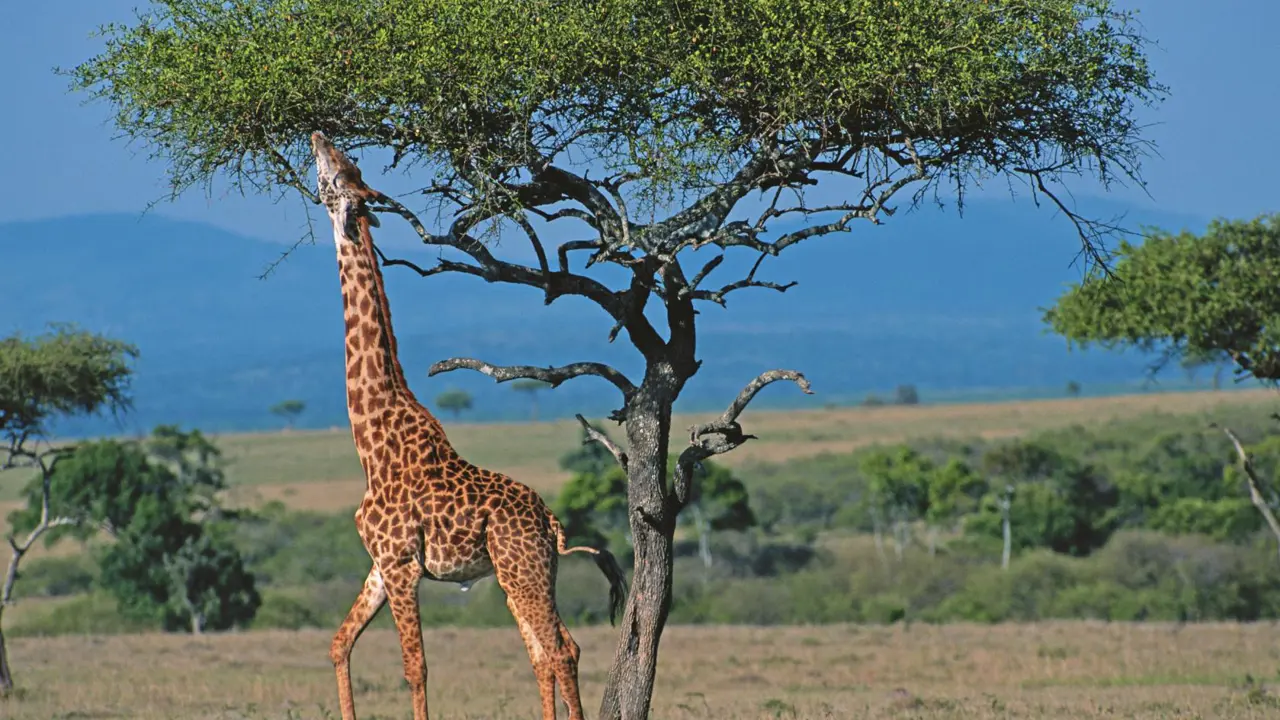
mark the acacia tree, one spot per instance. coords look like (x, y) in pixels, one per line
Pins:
(63, 373)
(288, 410)
(530, 388)
(1197, 299)
(666, 143)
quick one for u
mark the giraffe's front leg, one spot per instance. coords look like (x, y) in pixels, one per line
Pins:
(402, 592)
(372, 597)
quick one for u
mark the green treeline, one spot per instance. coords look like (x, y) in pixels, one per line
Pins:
(1140, 520)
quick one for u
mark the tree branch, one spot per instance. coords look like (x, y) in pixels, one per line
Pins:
(594, 435)
(718, 296)
(553, 376)
(729, 431)
(492, 269)
(1255, 486)
(1092, 232)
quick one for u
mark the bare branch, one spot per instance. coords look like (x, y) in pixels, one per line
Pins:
(1255, 486)
(553, 376)
(595, 435)
(574, 213)
(525, 225)
(729, 432)
(492, 269)
(1093, 233)
(718, 296)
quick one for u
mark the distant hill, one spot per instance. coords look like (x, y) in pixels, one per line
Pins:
(945, 303)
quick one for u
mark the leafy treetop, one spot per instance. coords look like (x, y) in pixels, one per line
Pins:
(62, 372)
(1198, 297)
(499, 99)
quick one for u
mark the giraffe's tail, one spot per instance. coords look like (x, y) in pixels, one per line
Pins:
(605, 560)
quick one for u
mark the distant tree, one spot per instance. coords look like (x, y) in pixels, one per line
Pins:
(531, 388)
(906, 395)
(590, 457)
(954, 491)
(1057, 502)
(718, 501)
(1073, 388)
(289, 410)
(454, 401)
(872, 400)
(158, 498)
(592, 505)
(63, 373)
(898, 485)
(1199, 298)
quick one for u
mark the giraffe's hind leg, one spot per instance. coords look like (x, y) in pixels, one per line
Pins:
(372, 597)
(526, 570)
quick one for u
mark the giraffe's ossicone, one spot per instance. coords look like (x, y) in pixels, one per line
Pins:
(426, 511)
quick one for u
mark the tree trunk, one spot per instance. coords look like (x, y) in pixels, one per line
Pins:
(1008, 536)
(878, 533)
(899, 538)
(635, 661)
(704, 535)
(6, 676)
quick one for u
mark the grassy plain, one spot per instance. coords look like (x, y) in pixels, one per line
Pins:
(1049, 671)
(318, 470)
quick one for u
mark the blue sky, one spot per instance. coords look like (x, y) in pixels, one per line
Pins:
(1213, 133)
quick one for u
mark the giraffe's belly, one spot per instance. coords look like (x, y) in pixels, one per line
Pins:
(464, 571)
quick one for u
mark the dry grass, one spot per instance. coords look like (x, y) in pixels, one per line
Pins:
(1052, 670)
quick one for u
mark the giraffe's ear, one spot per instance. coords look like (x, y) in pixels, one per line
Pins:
(373, 219)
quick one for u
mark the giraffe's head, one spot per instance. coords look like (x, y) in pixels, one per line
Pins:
(342, 190)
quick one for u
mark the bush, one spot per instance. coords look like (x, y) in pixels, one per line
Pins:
(89, 614)
(285, 612)
(56, 576)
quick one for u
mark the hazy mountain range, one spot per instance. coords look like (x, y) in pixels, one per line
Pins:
(946, 303)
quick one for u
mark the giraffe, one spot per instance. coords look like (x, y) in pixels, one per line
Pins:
(426, 511)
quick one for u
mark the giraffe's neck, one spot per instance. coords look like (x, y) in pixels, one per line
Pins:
(374, 376)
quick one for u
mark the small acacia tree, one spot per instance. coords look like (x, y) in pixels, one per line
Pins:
(63, 373)
(288, 410)
(673, 141)
(530, 388)
(454, 401)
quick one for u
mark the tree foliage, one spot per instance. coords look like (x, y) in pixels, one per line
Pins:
(64, 372)
(1197, 297)
(678, 93)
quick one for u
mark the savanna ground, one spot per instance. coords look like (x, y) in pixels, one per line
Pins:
(1048, 670)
